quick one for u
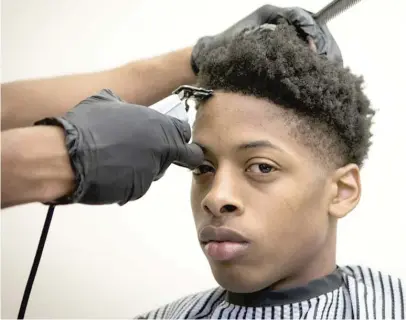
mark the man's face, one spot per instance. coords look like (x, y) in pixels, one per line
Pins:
(260, 182)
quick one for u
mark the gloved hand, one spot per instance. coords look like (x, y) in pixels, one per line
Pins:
(318, 36)
(118, 149)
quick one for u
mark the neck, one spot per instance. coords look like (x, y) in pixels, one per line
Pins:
(315, 276)
(270, 297)
(316, 266)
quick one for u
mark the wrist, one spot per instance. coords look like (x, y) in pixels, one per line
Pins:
(177, 64)
(155, 78)
(35, 165)
(59, 179)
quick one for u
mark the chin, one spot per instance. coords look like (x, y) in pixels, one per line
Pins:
(238, 278)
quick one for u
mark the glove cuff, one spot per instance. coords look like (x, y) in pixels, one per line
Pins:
(71, 141)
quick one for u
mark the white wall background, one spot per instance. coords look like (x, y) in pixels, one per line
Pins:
(112, 262)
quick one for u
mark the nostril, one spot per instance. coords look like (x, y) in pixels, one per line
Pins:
(228, 208)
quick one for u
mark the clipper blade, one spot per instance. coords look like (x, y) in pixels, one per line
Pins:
(333, 9)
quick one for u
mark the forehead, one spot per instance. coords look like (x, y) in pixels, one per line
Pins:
(230, 118)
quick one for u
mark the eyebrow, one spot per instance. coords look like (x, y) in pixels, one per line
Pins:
(259, 144)
(248, 145)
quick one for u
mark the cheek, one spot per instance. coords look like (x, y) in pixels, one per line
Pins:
(294, 214)
(196, 197)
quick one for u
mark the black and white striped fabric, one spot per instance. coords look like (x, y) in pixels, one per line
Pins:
(350, 292)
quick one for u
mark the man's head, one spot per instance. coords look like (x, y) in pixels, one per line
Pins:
(284, 137)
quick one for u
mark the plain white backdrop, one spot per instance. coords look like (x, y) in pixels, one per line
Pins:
(116, 262)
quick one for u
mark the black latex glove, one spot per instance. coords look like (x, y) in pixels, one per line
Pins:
(118, 149)
(303, 20)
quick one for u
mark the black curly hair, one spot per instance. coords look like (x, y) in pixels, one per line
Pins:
(328, 108)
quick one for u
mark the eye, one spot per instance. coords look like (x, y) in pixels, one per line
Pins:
(203, 169)
(261, 168)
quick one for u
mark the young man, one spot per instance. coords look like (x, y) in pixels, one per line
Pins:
(284, 138)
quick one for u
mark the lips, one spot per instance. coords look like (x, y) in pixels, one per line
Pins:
(222, 244)
(220, 234)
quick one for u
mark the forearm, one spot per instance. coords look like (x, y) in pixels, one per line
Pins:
(143, 82)
(156, 78)
(35, 166)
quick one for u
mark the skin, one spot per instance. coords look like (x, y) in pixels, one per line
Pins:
(35, 166)
(142, 82)
(287, 202)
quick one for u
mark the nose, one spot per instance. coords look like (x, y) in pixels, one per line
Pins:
(223, 197)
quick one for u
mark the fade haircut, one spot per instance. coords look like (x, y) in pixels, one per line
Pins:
(324, 102)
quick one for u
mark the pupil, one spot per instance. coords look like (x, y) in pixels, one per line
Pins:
(204, 169)
(264, 168)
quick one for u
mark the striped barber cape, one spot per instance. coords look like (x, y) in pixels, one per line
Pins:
(350, 292)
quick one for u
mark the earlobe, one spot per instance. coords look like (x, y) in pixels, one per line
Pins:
(346, 191)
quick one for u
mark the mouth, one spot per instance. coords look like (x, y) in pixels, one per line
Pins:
(222, 244)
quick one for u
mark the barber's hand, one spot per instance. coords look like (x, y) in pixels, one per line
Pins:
(318, 36)
(118, 149)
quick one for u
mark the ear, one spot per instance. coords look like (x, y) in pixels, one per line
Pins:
(346, 190)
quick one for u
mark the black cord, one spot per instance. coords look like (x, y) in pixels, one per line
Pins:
(35, 264)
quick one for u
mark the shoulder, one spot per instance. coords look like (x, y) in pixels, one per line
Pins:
(190, 306)
(371, 278)
(376, 287)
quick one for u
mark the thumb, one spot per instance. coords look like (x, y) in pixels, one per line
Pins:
(190, 156)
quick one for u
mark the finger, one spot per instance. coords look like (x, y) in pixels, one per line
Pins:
(190, 156)
(304, 23)
(183, 128)
(312, 44)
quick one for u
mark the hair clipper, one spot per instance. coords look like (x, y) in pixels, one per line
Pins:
(177, 104)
